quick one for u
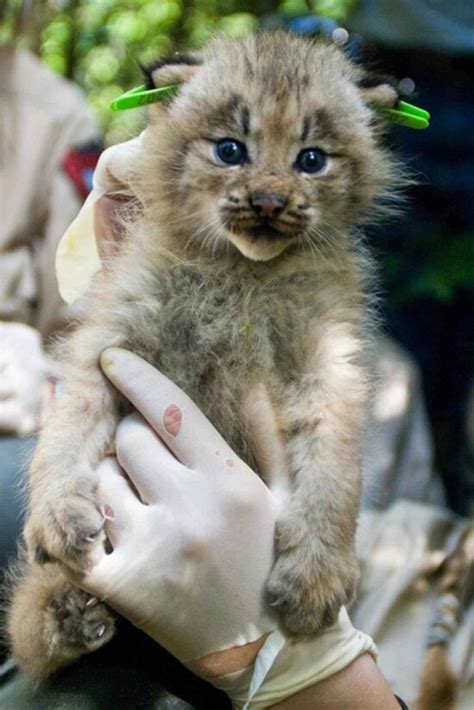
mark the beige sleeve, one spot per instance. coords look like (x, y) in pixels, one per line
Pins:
(63, 205)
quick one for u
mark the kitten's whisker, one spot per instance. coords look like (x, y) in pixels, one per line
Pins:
(211, 240)
(314, 249)
(201, 229)
(324, 238)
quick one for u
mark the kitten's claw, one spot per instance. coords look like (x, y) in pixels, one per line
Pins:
(307, 594)
(101, 631)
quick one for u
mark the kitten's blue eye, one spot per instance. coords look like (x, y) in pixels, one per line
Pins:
(311, 160)
(231, 152)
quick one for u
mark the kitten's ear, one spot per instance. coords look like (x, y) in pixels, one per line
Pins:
(379, 90)
(172, 70)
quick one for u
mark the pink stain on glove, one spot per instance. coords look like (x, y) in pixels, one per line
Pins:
(172, 419)
(108, 512)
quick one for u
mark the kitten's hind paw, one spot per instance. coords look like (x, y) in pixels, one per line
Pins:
(50, 622)
(77, 623)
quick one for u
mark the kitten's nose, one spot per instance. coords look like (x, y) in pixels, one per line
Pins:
(267, 205)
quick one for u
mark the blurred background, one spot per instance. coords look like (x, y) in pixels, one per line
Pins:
(97, 43)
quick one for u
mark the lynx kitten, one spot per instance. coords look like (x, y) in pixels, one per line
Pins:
(241, 275)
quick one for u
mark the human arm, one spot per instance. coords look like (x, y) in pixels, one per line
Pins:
(358, 686)
(95, 234)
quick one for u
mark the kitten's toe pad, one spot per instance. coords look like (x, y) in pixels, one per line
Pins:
(80, 621)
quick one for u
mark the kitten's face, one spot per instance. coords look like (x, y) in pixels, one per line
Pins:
(267, 145)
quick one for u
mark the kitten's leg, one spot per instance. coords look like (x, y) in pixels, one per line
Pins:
(51, 623)
(316, 571)
(65, 522)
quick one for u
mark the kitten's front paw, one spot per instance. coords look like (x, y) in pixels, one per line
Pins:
(65, 525)
(307, 591)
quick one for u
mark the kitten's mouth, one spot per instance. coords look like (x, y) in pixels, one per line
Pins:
(261, 231)
(264, 231)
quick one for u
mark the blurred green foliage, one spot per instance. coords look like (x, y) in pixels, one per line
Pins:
(445, 266)
(98, 43)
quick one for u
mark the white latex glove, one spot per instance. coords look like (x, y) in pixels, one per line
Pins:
(192, 553)
(180, 540)
(23, 369)
(86, 240)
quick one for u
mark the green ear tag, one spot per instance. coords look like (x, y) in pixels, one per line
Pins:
(141, 96)
(407, 115)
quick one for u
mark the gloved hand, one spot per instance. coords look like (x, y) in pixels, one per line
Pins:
(192, 539)
(23, 370)
(97, 228)
(179, 539)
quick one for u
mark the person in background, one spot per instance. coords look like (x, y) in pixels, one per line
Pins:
(49, 145)
(427, 253)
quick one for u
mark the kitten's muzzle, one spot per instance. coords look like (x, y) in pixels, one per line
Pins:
(264, 214)
(267, 205)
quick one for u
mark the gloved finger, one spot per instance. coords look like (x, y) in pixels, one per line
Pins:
(151, 467)
(114, 169)
(118, 502)
(77, 256)
(172, 414)
(112, 579)
(98, 581)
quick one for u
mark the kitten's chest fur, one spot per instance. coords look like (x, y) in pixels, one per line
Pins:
(218, 337)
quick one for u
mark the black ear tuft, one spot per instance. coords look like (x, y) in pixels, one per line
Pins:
(371, 79)
(379, 89)
(152, 71)
(146, 71)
